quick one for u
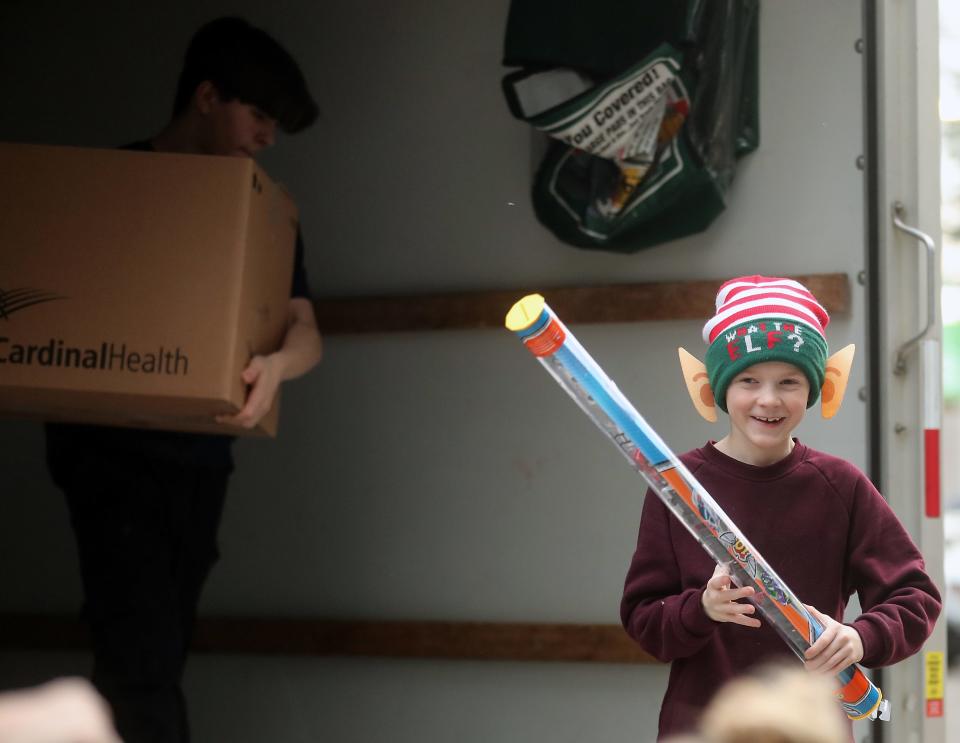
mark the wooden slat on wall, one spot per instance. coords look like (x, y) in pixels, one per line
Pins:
(463, 640)
(679, 300)
(598, 643)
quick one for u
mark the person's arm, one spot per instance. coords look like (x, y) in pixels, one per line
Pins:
(664, 616)
(900, 601)
(301, 350)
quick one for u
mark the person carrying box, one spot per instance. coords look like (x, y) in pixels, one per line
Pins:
(145, 505)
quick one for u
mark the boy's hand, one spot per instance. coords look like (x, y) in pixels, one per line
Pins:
(838, 646)
(263, 378)
(721, 602)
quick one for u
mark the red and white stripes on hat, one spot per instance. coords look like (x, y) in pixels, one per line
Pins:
(754, 297)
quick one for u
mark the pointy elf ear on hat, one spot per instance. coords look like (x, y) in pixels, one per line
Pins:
(698, 385)
(831, 393)
(835, 381)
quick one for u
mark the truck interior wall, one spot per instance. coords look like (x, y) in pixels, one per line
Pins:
(432, 475)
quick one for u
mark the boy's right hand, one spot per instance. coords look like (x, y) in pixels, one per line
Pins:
(721, 602)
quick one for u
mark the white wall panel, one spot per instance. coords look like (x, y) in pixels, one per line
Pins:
(440, 475)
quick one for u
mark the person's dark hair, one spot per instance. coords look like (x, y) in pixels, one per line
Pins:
(247, 64)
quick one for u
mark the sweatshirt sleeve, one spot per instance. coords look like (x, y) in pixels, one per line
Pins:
(900, 602)
(666, 620)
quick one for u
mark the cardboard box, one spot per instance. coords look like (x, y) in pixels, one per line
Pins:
(135, 286)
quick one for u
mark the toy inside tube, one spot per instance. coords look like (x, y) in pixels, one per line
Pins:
(596, 394)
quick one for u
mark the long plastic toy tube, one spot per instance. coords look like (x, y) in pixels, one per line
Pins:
(573, 368)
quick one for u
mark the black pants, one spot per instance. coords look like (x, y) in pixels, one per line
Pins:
(146, 533)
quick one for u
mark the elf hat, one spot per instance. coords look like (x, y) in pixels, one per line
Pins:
(759, 319)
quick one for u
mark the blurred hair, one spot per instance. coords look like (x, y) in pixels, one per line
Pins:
(776, 704)
(245, 63)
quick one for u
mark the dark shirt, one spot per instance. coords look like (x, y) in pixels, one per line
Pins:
(827, 533)
(68, 443)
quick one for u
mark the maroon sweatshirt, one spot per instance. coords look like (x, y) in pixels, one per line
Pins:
(823, 528)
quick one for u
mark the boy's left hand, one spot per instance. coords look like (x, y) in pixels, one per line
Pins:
(263, 377)
(838, 646)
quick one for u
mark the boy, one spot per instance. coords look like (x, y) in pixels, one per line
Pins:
(145, 505)
(815, 518)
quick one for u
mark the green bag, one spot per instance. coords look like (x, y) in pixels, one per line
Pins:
(647, 155)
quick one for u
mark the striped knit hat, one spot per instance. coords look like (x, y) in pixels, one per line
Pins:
(765, 319)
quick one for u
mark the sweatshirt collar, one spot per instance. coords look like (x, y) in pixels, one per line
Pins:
(743, 470)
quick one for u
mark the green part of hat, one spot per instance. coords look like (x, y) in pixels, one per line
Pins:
(756, 341)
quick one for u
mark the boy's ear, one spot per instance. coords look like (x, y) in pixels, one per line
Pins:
(205, 96)
(698, 385)
(835, 381)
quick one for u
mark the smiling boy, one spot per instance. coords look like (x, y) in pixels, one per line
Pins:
(815, 518)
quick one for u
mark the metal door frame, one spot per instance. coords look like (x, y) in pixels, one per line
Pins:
(902, 166)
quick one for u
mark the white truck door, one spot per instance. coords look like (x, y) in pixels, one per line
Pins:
(902, 180)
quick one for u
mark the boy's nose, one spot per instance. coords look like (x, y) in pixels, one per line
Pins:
(768, 395)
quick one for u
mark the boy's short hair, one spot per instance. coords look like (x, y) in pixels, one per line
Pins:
(245, 63)
(755, 709)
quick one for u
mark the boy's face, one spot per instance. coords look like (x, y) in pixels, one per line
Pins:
(766, 402)
(235, 128)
